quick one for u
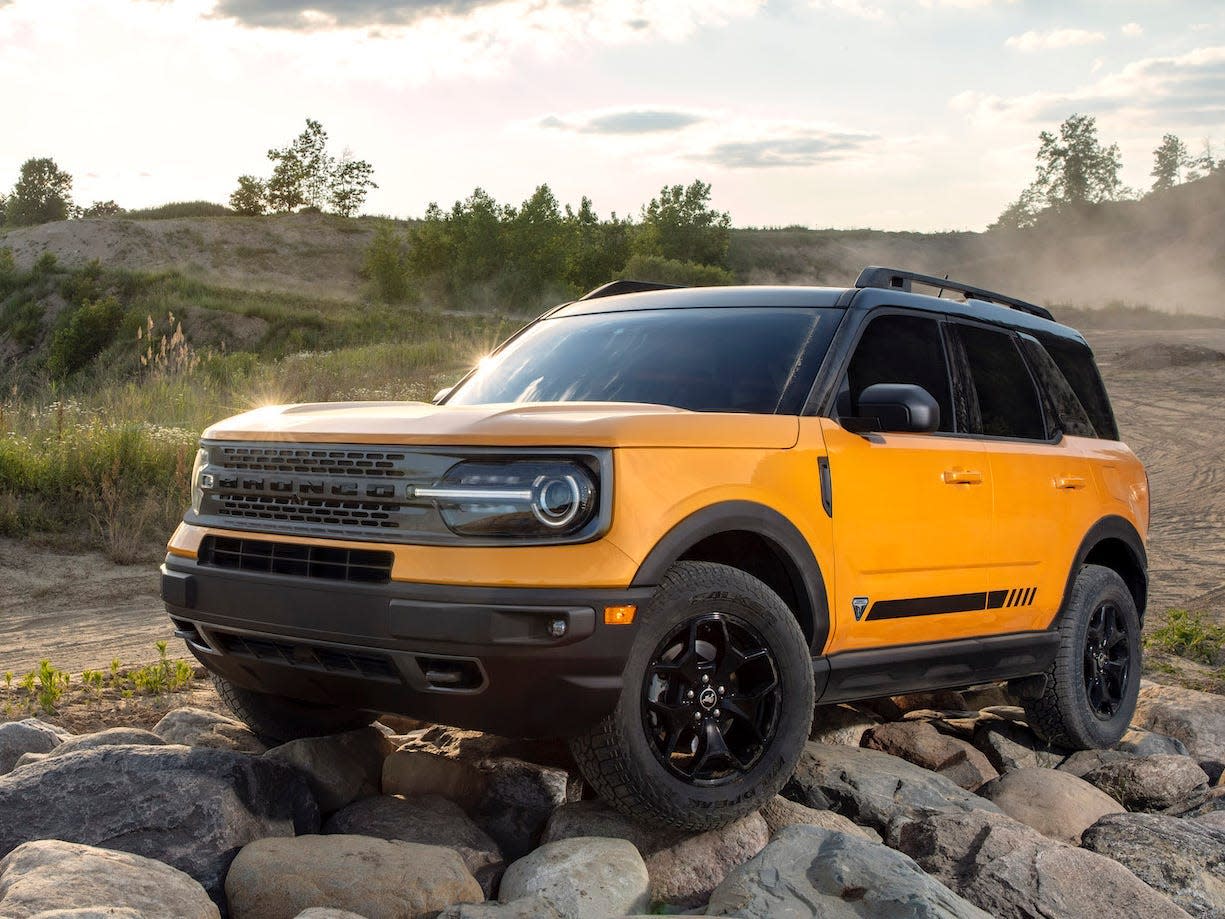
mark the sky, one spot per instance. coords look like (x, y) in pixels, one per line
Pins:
(893, 114)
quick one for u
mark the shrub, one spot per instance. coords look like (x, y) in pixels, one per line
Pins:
(181, 209)
(87, 331)
(1188, 635)
(387, 265)
(22, 321)
(670, 271)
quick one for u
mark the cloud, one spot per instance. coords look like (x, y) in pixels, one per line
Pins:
(315, 14)
(797, 148)
(886, 10)
(1132, 29)
(1053, 39)
(625, 121)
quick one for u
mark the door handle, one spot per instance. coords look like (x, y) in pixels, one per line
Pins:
(1070, 481)
(962, 477)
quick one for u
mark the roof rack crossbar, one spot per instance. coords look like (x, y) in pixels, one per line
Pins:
(625, 286)
(899, 279)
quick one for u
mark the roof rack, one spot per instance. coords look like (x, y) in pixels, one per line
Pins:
(625, 286)
(897, 279)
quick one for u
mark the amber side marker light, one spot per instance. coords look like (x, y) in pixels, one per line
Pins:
(619, 615)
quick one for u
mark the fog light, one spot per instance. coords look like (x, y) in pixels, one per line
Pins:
(620, 615)
(557, 628)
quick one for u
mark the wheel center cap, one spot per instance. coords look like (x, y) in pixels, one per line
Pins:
(707, 698)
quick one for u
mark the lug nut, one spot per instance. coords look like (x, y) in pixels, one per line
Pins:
(705, 677)
(716, 713)
(689, 695)
(697, 716)
(722, 690)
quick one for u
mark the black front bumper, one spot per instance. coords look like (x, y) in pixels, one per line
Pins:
(473, 657)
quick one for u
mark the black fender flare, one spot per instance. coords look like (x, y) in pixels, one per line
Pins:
(1122, 530)
(763, 521)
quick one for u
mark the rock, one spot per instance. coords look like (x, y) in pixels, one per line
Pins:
(1084, 761)
(412, 774)
(475, 746)
(920, 743)
(684, 868)
(1184, 859)
(1149, 743)
(941, 700)
(518, 799)
(583, 878)
(874, 788)
(1056, 804)
(1014, 872)
(1197, 719)
(326, 912)
(984, 698)
(66, 878)
(523, 908)
(27, 736)
(196, 727)
(1213, 769)
(780, 813)
(189, 807)
(26, 758)
(428, 820)
(1213, 801)
(340, 768)
(111, 737)
(274, 878)
(1213, 819)
(808, 871)
(840, 724)
(1009, 745)
(1151, 783)
(402, 724)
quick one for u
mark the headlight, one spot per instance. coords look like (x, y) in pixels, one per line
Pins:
(197, 486)
(527, 498)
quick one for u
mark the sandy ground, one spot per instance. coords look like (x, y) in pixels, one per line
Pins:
(80, 610)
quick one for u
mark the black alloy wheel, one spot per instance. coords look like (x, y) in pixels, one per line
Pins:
(1107, 660)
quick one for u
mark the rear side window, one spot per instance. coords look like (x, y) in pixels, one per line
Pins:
(900, 349)
(1062, 402)
(1007, 402)
(1076, 363)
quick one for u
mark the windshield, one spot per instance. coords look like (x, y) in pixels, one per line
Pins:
(702, 359)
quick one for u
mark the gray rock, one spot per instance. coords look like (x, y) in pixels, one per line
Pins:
(780, 813)
(1184, 859)
(808, 871)
(428, 820)
(326, 912)
(111, 737)
(1085, 761)
(1149, 743)
(278, 878)
(26, 758)
(27, 736)
(532, 907)
(874, 788)
(412, 773)
(684, 867)
(840, 724)
(1152, 783)
(1056, 804)
(920, 743)
(188, 807)
(1213, 819)
(64, 878)
(340, 768)
(1197, 719)
(1014, 872)
(1010, 745)
(582, 878)
(196, 727)
(517, 801)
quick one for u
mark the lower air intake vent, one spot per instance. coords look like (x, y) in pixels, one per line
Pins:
(309, 657)
(297, 560)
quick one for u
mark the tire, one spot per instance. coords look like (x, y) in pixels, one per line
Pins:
(278, 719)
(1090, 690)
(703, 609)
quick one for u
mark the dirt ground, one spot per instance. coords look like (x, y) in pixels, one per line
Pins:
(80, 610)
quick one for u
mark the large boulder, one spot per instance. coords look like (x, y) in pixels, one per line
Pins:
(111, 737)
(198, 727)
(189, 807)
(1151, 783)
(582, 878)
(808, 871)
(874, 788)
(27, 736)
(1056, 804)
(517, 800)
(684, 867)
(1010, 745)
(840, 724)
(340, 768)
(1197, 719)
(40, 877)
(428, 820)
(780, 813)
(376, 878)
(1184, 859)
(1014, 872)
(412, 773)
(1082, 762)
(1149, 743)
(920, 743)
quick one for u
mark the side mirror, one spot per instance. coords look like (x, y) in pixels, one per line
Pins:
(897, 407)
(442, 394)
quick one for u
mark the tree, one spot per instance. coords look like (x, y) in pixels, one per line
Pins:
(387, 265)
(102, 209)
(301, 172)
(250, 198)
(1203, 165)
(1021, 214)
(680, 225)
(43, 193)
(1074, 169)
(597, 249)
(350, 182)
(1169, 159)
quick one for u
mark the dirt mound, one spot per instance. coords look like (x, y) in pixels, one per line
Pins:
(1164, 355)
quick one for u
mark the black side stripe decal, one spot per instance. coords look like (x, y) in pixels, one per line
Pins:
(951, 603)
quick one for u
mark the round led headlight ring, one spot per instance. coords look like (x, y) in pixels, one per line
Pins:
(556, 500)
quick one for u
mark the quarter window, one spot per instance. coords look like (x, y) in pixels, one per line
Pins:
(1062, 401)
(899, 349)
(1008, 404)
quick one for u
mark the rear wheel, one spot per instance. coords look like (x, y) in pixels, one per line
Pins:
(715, 708)
(278, 719)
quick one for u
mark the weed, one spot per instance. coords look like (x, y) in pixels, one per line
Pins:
(1188, 635)
(51, 685)
(163, 676)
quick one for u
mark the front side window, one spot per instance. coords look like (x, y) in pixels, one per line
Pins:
(1007, 402)
(899, 349)
(701, 359)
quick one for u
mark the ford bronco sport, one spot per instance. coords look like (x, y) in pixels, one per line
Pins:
(664, 523)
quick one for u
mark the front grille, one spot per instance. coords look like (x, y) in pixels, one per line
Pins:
(311, 460)
(310, 510)
(306, 561)
(309, 657)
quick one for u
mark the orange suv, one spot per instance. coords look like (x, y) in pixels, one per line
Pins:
(665, 522)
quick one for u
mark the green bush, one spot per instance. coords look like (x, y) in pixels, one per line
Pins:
(83, 336)
(180, 209)
(387, 265)
(1188, 635)
(22, 321)
(670, 271)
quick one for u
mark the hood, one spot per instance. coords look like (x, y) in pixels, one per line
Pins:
(538, 424)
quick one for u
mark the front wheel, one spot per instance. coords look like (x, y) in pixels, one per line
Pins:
(1090, 690)
(715, 708)
(278, 719)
